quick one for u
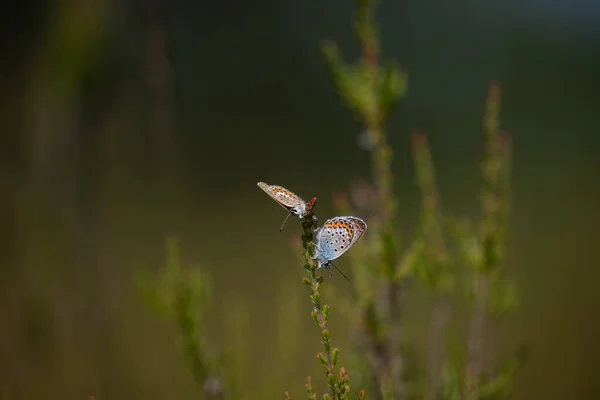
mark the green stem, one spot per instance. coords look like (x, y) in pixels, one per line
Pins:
(381, 166)
(320, 310)
(494, 210)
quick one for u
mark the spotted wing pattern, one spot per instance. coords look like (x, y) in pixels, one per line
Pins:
(282, 196)
(337, 235)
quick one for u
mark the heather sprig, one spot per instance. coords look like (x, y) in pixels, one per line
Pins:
(182, 296)
(371, 89)
(338, 384)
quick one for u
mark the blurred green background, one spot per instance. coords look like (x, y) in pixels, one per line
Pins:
(125, 122)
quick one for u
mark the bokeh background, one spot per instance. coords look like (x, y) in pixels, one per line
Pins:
(125, 122)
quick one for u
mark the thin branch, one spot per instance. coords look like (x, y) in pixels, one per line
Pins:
(320, 310)
(381, 166)
(494, 211)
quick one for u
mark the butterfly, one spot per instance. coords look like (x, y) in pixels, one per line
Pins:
(335, 237)
(286, 199)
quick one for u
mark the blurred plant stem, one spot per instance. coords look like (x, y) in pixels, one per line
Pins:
(164, 152)
(46, 218)
(493, 225)
(160, 79)
(370, 91)
(434, 272)
(182, 296)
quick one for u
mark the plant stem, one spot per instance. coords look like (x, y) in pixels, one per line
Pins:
(320, 311)
(438, 322)
(437, 256)
(494, 212)
(381, 166)
(321, 320)
(476, 334)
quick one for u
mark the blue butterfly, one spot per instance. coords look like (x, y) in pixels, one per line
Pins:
(335, 237)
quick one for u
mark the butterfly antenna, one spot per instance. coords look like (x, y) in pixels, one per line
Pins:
(340, 271)
(281, 229)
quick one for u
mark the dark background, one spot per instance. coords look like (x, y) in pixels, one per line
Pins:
(124, 122)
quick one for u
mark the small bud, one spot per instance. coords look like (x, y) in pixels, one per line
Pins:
(326, 309)
(335, 354)
(315, 317)
(316, 301)
(311, 204)
(321, 357)
(331, 380)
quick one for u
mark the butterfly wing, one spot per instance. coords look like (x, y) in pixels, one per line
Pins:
(359, 227)
(338, 234)
(281, 195)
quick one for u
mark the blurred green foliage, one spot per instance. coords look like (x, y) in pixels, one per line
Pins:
(445, 254)
(182, 296)
(369, 91)
(447, 257)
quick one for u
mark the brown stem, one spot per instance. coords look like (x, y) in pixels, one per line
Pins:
(439, 319)
(476, 336)
(159, 77)
(381, 154)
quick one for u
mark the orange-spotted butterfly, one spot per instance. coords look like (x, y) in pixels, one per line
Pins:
(286, 199)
